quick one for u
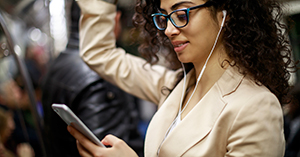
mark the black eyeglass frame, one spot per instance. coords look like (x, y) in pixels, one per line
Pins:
(186, 10)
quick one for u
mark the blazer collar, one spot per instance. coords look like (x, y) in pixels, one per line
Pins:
(230, 81)
(197, 124)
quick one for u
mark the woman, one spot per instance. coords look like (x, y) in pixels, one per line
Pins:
(223, 101)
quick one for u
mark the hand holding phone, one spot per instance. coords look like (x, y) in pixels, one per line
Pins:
(71, 119)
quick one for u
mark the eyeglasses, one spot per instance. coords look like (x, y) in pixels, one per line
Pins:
(179, 18)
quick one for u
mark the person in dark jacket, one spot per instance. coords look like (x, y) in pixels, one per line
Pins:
(292, 124)
(103, 107)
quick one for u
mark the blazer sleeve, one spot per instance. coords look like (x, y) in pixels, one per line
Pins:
(258, 129)
(98, 50)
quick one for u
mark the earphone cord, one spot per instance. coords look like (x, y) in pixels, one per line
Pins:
(200, 75)
(184, 82)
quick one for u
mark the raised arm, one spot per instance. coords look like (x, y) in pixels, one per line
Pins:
(98, 50)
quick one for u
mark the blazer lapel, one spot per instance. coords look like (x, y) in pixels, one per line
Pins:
(199, 122)
(163, 118)
(195, 126)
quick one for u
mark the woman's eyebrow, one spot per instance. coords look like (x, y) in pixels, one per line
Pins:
(175, 6)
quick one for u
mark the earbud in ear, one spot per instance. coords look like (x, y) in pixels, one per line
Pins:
(224, 13)
(224, 17)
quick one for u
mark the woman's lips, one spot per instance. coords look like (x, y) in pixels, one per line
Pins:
(180, 47)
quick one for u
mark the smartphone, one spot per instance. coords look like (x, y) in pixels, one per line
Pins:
(70, 118)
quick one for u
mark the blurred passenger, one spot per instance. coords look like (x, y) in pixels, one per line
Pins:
(104, 108)
(292, 124)
(14, 96)
(7, 126)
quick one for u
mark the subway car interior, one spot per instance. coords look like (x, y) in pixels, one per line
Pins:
(33, 33)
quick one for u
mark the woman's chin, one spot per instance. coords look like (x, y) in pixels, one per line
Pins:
(183, 60)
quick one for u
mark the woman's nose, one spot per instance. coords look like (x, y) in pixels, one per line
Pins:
(171, 30)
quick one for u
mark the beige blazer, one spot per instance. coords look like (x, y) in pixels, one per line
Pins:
(236, 118)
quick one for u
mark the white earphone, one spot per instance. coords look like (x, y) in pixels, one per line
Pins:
(224, 17)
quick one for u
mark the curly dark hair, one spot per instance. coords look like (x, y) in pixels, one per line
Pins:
(254, 38)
